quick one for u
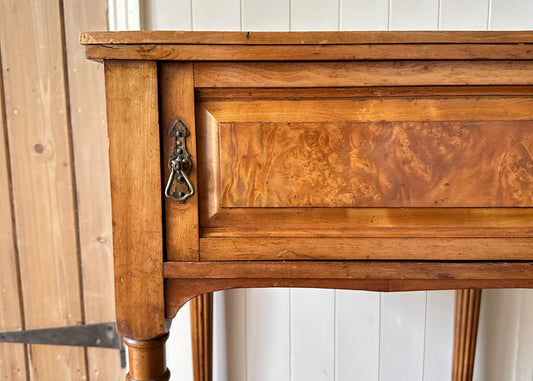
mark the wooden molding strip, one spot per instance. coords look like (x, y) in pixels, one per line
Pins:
(304, 38)
(359, 248)
(310, 52)
(392, 270)
(420, 72)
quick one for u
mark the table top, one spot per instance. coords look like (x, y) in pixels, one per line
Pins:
(308, 46)
(305, 38)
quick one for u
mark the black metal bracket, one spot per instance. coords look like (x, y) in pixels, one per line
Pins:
(102, 335)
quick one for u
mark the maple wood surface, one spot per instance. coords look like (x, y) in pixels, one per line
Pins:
(284, 46)
(309, 52)
(292, 38)
(459, 270)
(237, 93)
(181, 220)
(147, 359)
(134, 155)
(369, 109)
(377, 248)
(188, 279)
(362, 73)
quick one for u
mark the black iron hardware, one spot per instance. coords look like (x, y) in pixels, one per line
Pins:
(102, 335)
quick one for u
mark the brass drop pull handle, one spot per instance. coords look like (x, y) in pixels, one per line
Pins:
(179, 185)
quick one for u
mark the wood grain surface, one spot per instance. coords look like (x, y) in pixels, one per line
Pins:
(217, 221)
(13, 362)
(179, 291)
(356, 248)
(384, 164)
(399, 109)
(361, 73)
(203, 94)
(303, 38)
(90, 150)
(414, 270)
(37, 110)
(134, 154)
(365, 222)
(201, 309)
(181, 220)
(467, 307)
(173, 52)
(185, 280)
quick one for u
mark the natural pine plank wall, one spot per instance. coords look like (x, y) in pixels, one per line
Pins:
(91, 164)
(42, 179)
(54, 172)
(12, 356)
(258, 333)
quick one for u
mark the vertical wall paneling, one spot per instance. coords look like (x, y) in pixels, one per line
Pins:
(439, 336)
(124, 15)
(265, 15)
(41, 164)
(229, 336)
(357, 335)
(267, 334)
(312, 334)
(498, 336)
(402, 336)
(12, 356)
(166, 14)
(511, 15)
(364, 15)
(463, 15)
(220, 369)
(315, 15)
(216, 15)
(524, 360)
(179, 351)
(414, 14)
(89, 136)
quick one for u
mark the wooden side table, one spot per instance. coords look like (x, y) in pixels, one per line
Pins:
(384, 161)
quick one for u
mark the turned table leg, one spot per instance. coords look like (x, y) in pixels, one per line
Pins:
(202, 336)
(147, 359)
(467, 303)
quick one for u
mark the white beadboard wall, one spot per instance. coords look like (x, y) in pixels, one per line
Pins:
(337, 335)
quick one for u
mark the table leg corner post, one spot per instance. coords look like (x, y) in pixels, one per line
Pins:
(147, 360)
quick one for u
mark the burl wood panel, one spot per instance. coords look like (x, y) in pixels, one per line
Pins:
(377, 164)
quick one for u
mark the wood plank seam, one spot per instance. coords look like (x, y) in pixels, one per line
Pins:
(5, 143)
(68, 117)
(42, 179)
(89, 146)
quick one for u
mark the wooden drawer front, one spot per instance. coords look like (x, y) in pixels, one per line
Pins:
(454, 170)
(376, 164)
